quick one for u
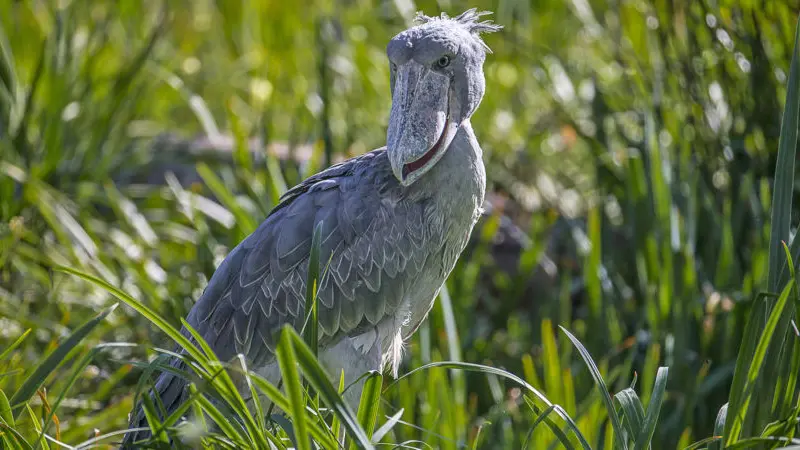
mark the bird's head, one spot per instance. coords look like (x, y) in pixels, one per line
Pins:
(437, 83)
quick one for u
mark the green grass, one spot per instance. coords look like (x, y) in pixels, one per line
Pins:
(646, 148)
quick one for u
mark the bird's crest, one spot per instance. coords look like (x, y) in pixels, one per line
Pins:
(469, 19)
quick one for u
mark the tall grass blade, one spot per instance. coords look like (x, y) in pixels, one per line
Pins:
(719, 428)
(369, 404)
(336, 425)
(15, 344)
(653, 410)
(215, 374)
(37, 427)
(77, 371)
(199, 353)
(387, 427)
(259, 410)
(784, 173)
(763, 442)
(633, 411)
(244, 220)
(142, 309)
(17, 439)
(322, 436)
(54, 360)
(542, 416)
(703, 443)
(551, 362)
(472, 367)
(734, 427)
(160, 434)
(319, 380)
(311, 324)
(294, 388)
(459, 387)
(744, 420)
(8, 76)
(5, 409)
(601, 385)
(222, 422)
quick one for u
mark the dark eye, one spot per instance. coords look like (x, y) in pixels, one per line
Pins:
(443, 62)
(393, 66)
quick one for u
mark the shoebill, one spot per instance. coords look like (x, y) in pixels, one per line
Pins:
(394, 221)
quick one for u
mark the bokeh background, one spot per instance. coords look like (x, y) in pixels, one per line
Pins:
(630, 147)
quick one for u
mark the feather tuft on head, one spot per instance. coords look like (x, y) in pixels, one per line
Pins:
(469, 19)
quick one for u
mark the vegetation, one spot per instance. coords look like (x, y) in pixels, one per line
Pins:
(646, 148)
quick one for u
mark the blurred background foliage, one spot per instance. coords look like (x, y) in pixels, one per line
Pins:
(630, 149)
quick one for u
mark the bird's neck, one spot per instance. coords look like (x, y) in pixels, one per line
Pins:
(459, 178)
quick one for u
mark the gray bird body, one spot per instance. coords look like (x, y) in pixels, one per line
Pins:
(392, 248)
(394, 222)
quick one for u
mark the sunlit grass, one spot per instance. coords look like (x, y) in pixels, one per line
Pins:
(672, 323)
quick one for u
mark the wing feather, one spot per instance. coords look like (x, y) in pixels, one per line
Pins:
(375, 240)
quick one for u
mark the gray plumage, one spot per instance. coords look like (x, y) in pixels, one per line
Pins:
(394, 222)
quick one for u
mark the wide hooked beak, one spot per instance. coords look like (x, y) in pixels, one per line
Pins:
(419, 127)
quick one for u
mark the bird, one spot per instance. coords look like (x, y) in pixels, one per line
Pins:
(392, 223)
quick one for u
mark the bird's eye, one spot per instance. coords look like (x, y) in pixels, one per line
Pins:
(443, 62)
(393, 66)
